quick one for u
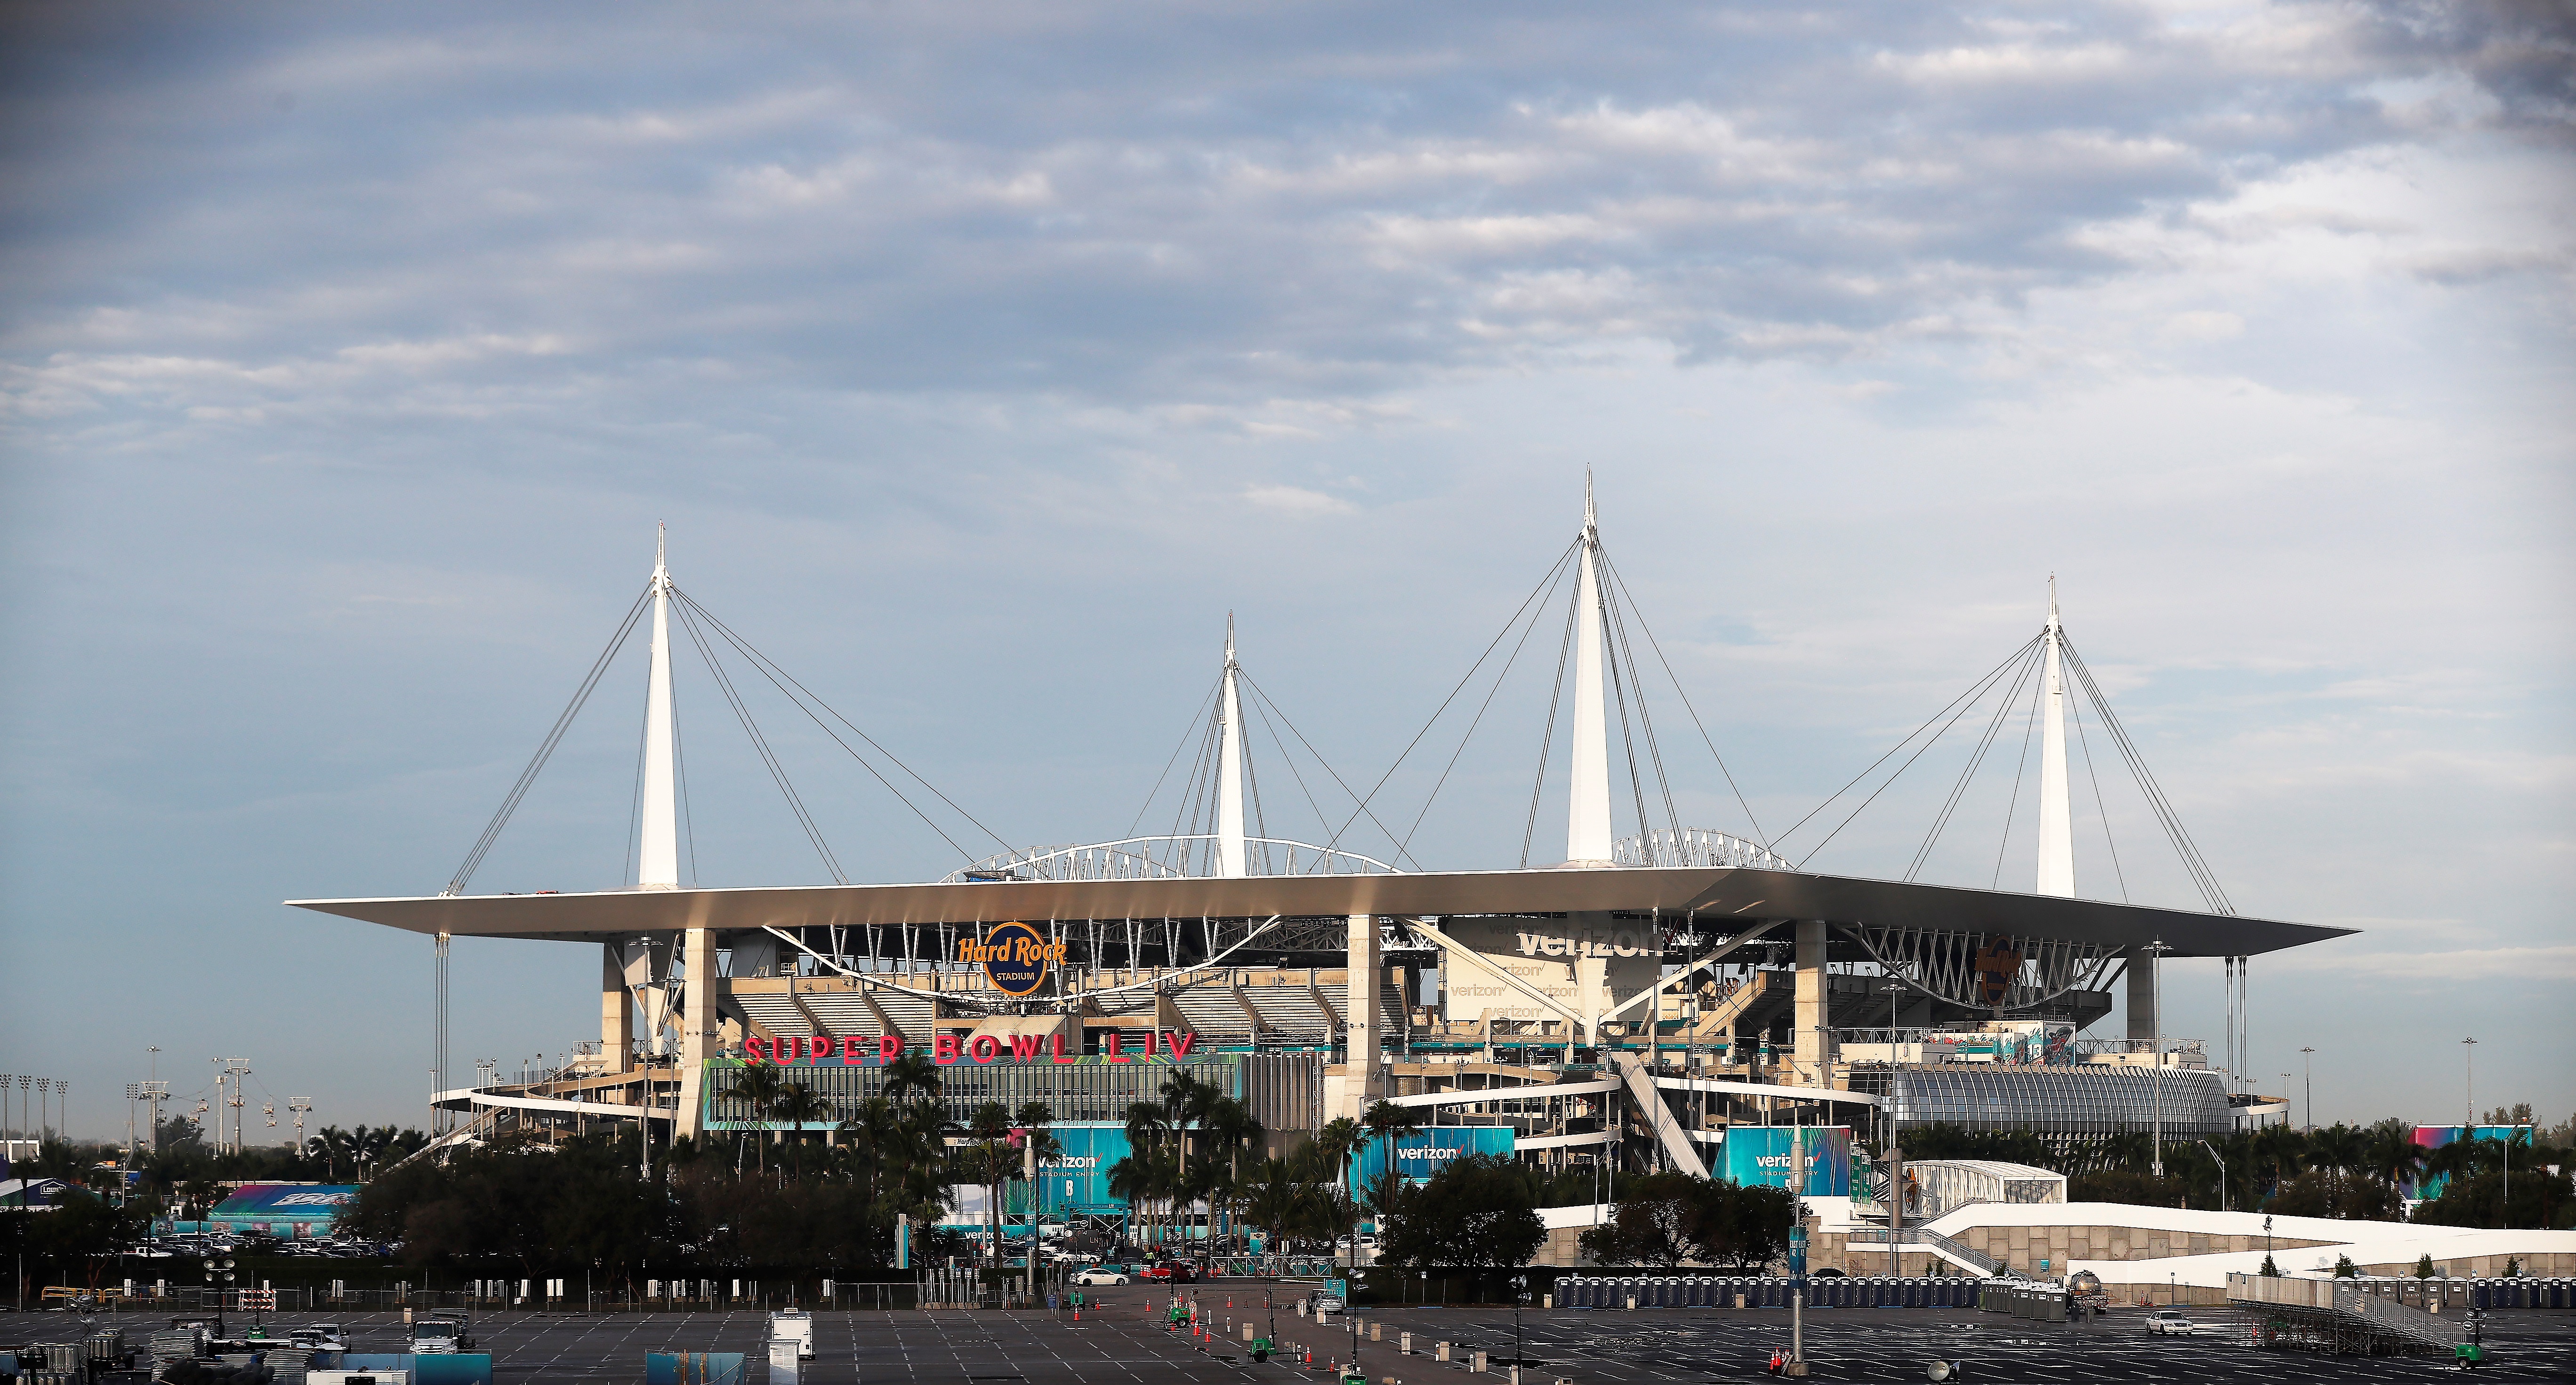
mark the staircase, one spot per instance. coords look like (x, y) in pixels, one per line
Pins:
(2348, 1308)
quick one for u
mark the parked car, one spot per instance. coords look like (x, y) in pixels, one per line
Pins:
(1102, 1274)
(1328, 1303)
(2167, 1322)
(1171, 1272)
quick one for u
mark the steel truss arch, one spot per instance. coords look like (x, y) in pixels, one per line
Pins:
(1943, 964)
(1134, 858)
(1695, 847)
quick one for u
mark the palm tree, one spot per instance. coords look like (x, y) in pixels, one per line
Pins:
(991, 1126)
(2338, 1151)
(2283, 1148)
(1387, 1123)
(1275, 1201)
(1339, 1142)
(2392, 1154)
(1231, 1124)
(913, 1072)
(796, 1106)
(1148, 1122)
(758, 1088)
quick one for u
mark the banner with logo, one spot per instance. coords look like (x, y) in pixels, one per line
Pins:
(1419, 1154)
(1763, 1154)
(258, 1206)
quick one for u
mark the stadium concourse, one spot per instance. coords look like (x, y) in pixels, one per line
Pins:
(1676, 999)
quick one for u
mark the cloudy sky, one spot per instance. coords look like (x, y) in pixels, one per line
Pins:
(982, 358)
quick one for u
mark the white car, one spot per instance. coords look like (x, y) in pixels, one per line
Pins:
(2167, 1322)
(1101, 1276)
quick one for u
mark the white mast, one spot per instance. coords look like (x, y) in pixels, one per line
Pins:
(2056, 820)
(1229, 771)
(658, 866)
(1587, 822)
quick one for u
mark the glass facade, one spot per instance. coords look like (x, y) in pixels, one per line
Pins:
(2073, 1100)
(1282, 1089)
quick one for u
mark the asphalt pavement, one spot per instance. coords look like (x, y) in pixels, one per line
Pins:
(1125, 1340)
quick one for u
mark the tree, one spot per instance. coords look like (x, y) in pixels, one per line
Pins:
(1338, 1144)
(1477, 1212)
(2423, 1266)
(913, 1073)
(1655, 1222)
(2345, 1268)
(757, 1087)
(796, 1105)
(2269, 1270)
(990, 1127)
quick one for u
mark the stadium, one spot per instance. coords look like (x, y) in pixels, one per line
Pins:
(1665, 1000)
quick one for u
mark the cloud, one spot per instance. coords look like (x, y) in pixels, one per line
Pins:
(2435, 966)
(1293, 500)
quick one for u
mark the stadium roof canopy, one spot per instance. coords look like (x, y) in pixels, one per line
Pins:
(1710, 893)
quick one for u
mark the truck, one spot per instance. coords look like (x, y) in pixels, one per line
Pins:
(794, 1324)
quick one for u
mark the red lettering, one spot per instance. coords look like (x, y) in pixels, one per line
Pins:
(1182, 1041)
(1024, 1047)
(944, 1049)
(818, 1048)
(1109, 1048)
(853, 1049)
(756, 1048)
(1149, 1043)
(889, 1048)
(984, 1049)
(1059, 1049)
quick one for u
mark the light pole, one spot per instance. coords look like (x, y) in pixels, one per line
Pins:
(2469, 1084)
(1520, 1295)
(2308, 1086)
(2222, 1173)
(2156, 951)
(1895, 1156)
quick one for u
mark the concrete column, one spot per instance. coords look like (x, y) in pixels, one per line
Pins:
(698, 1019)
(1360, 1034)
(1810, 1061)
(2142, 996)
(616, 1009)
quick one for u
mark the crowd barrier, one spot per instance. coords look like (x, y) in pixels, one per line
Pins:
(1721, 1291)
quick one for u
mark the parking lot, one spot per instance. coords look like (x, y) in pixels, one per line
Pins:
(1124, 1341)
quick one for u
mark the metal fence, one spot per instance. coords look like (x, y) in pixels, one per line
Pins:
(1724, 1292)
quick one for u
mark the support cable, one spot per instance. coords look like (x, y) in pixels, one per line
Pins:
(760, 746)
(545, 750)
(1195, 721)
(1327, 767)
(1627, 733)
(635, 809)
(782, 680)
(2072, 707)
(2166, 814)
(2012, 806)
(1975, 691)
(1629, 599)
(1528, 628)
(1547, 736)
(1290, 761)
(1961, 704)
(1625, 649)
(1544, 583)
(1959, 788)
